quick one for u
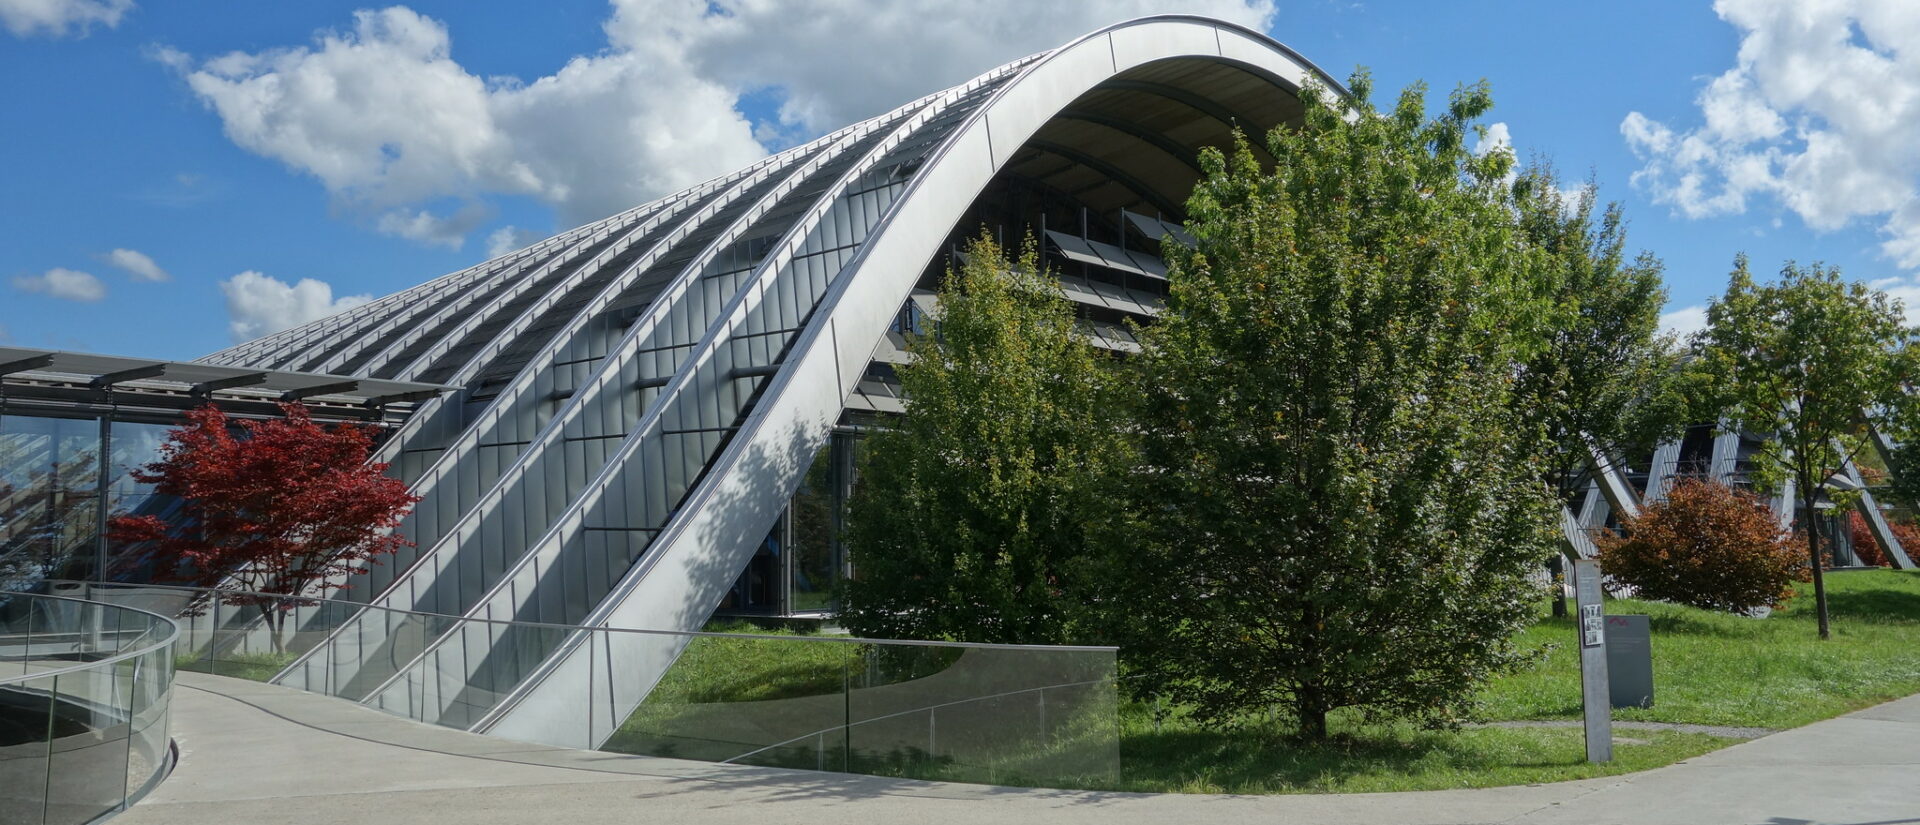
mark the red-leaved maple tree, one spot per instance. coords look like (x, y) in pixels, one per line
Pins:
(286, 507)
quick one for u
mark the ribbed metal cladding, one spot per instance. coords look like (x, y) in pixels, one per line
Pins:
(636, 393)
(524, 361)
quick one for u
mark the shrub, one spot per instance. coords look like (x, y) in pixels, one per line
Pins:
(1865, 547)
(1707, 546)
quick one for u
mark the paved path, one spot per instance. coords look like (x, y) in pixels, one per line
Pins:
(261, 754)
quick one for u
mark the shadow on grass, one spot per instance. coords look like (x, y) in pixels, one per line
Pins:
(1243, 760)
(1877, 605)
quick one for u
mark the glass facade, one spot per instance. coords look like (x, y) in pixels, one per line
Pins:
(802, 560)
(54, 476)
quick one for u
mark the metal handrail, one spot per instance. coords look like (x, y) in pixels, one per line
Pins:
(171, 625)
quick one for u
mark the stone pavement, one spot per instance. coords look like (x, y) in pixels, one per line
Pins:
(263, 754)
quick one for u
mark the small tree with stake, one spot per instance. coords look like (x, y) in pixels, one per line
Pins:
(285, 508)
(1816, 361)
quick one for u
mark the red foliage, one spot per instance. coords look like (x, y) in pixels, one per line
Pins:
(289, 508)
(1864, 546)
(1706, 545)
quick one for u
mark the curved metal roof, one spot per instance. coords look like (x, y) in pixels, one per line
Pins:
(640, 396)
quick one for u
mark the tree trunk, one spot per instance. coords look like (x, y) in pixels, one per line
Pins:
(1812, 523)
(1313, 716)
(275, 619)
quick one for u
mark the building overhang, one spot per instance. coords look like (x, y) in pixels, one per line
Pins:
(59, 381)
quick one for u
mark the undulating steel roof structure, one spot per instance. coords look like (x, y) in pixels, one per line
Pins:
(639, 397)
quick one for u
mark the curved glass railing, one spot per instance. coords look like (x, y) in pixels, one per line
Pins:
(1006, 714)
(84, 690)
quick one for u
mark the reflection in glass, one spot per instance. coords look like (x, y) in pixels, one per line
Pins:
(49, 499)
(133, 445)
(814, 563)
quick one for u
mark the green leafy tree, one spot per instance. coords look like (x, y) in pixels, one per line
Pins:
(974, 508)
(1336, 505)
(1604, 378)
(1814, 360)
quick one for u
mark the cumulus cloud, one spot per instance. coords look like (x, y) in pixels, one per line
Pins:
(1684, 321)
(509, 238)
(1819, 114)
(386, 119)
(259, 304)
(1906, 290)
(65, 284)
(57, 18)
(137, 264)
(836, 61)
(1496, 138)
(422, 225)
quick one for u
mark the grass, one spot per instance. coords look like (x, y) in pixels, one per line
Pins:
(752, 670)
(1718, 669)
(1709, 669)
(1186, 758)
(257, 667)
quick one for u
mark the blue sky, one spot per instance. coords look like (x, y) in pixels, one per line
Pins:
(179, 175)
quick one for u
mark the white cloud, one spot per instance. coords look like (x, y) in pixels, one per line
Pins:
(1906, 290)
(384, 118)
(1496, 138)
(56, 18)
(509, 238)
(837, 61)
(137, 264)
(1819, 113)
(428, 228)
(66, 284)
(259, 304)
(387, 120)
(1684, 321)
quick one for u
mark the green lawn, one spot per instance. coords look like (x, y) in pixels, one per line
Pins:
(1709, 668)
(715, 669)
(1184, 758)
(1717, 669)
(257, 667)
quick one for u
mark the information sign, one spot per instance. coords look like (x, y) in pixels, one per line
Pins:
(1593, 660)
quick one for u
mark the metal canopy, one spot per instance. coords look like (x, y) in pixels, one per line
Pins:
(241, 383)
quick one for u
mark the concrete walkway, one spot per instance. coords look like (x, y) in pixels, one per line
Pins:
(262, 754)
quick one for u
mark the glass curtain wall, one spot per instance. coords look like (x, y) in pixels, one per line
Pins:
(53, 480)
(802, 559)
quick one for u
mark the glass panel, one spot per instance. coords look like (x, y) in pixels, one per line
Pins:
(815, 567)
(87, 767)
(756, 701)
(49, 499)
(133, 446)
(147, 746)
(25, 707)
(1034, 716)
(1020, 716)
